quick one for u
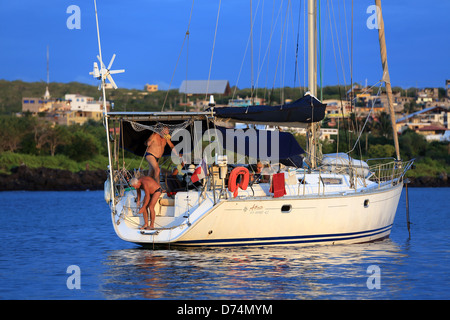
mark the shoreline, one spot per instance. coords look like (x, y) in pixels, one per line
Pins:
(23, 178)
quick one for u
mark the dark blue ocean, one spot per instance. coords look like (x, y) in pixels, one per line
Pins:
(61, 245)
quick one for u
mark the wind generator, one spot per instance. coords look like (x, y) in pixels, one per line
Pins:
(103, 73)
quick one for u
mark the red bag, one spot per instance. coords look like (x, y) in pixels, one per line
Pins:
(278, 186)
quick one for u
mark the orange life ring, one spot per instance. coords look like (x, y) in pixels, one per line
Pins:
(232, 186)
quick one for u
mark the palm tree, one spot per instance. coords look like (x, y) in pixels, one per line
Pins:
(383, 125)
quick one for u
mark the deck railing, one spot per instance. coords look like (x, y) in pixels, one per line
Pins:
(391, 172)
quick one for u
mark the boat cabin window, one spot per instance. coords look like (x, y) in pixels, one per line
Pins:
(332, 181)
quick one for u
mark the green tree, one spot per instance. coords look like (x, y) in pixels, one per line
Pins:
(381, 151)
(57, 136)
(439, 151)
(10, 138)
(12, 131)
(97, 130)
(41, 130)
(82, 147)
(412, 145)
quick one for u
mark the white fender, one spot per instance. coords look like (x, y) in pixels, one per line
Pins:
(107, 188)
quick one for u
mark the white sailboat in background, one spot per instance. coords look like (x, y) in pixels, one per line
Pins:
(333, 200)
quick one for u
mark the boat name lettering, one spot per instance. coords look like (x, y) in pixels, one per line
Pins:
(255, 207)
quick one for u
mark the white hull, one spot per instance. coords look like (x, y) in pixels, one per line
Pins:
(302, 217)
(338, 200)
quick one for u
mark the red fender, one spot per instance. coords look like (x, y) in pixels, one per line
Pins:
(232, 186)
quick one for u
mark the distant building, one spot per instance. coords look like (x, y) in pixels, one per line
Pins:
(337, 108)
(84, 108)
(447, 89)
(324, 134)
(431, 122)
(239, 102)
(74, 108)
(203, 87)
(427, 95)
(151, 87)
(358, 92)
(434, 133)
(35, 105)
(432, 129)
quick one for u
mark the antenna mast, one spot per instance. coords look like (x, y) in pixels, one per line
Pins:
(47, 93)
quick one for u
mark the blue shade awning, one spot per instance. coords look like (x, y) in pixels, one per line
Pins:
(269, 145)
(262, 144)
(304, 110)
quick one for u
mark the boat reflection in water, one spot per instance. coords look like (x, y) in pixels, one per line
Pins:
(327, 272)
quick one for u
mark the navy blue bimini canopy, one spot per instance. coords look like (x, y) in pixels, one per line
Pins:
(268, 144)
(274, 146)
(304, 110)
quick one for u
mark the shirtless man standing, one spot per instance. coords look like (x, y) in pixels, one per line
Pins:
(152, 191)
(155, 149)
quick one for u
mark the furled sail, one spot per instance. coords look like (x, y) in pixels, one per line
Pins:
(307, 109)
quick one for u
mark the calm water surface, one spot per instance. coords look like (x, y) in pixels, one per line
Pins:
(43, 233)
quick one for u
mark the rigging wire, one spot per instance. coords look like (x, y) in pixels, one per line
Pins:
(296, 46)
(260, 41)
(212, 53)
(349, 44)
(296, 40)
(186, 36)
(245, 54)
(367, 118)
(283, 78)
(354, 123)
(187, 54)
(267, 69)
(280, 51)
(339, 48)
(337, 68)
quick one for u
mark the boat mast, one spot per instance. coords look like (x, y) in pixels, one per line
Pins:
(386, 78)
(312, 78)
(103, 76)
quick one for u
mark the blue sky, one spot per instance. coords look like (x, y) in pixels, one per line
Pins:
(147, 37)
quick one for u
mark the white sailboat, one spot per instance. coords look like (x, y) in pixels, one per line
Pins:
(333, 200)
